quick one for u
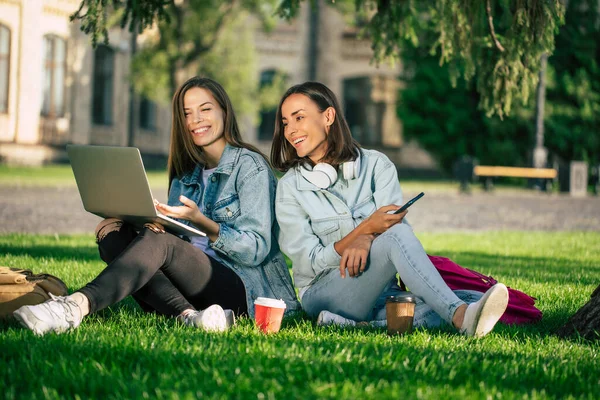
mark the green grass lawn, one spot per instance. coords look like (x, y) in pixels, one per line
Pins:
(122, 353)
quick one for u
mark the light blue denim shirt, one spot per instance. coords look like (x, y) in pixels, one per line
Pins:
(239, 197)
(311, 220)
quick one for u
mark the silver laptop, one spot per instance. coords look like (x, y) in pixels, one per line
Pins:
(112, 182)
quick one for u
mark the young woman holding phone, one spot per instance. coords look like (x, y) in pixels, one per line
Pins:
(335, 207)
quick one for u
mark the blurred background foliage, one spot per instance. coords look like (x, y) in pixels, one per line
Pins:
(573, 96)
(449, 121)
(495, 43)
(470, 67)
(209, 38)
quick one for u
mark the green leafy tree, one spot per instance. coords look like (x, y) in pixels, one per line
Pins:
(573, 96)
(505, 61)
(448, 123)
(205, 37)
(162, 64)
(498, 43)
(573, 118)
(232, 62)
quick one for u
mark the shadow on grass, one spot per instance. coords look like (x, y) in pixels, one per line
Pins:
(93, 364)
(58, 252)
(550, 270)
(541, 269)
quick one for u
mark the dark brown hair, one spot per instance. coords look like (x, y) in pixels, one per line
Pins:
(184, 155)
(341, 146)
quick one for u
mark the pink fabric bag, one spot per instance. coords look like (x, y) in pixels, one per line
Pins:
(521, 308)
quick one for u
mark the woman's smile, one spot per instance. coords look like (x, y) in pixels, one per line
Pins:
(201, 131)
(298, 141)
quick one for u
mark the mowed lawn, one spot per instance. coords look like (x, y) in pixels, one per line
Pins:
(123, 353)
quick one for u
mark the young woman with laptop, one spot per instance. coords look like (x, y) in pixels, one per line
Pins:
(222, 186)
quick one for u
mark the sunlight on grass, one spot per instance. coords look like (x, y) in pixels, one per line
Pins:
(122, 353)
(57, 175)
(62, 176)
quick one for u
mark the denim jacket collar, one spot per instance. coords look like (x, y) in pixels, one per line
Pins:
(228, 160)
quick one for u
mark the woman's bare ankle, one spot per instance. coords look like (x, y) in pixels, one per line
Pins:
(459, 316)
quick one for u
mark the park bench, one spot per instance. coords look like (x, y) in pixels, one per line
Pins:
(489, 172)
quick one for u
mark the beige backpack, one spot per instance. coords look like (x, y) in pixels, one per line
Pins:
(19, 287)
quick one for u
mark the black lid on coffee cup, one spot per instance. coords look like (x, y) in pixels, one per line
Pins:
(401, 298)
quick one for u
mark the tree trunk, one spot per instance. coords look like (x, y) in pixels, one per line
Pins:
(132, 108)
(586, 321)
(176, 58)
(540, 154)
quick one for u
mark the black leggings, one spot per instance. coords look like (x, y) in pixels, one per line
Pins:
(164, 273)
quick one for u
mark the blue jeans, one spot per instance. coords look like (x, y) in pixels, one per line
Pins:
(396, 251)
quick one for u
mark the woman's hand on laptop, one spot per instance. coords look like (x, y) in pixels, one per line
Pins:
(190, 212)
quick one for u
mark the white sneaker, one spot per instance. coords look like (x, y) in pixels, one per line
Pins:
(381, 323)
(212, 318)
(229, 318)
(58, 314)
(328, 318)
(481, 316)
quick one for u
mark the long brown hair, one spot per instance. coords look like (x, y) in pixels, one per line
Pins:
(184, 155)
(341, 146)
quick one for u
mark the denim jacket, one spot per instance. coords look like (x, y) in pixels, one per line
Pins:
(311, 220)
(240, 197)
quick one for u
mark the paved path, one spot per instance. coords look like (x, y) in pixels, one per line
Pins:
(59, 210)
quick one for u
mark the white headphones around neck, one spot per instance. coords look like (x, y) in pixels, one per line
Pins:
(324, 175)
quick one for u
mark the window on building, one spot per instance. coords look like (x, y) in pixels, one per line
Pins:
(4, 67)
(365, 117)
(267, 116)
(55, 66)
(147, 114)
(104, 69)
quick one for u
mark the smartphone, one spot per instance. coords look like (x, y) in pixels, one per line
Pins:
(409, 203)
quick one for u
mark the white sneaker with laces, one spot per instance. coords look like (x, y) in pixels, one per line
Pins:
(482, 316)
(58, 314)
(328, 318)
(212, 318)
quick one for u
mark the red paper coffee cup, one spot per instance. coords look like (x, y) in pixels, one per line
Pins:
(268, 314)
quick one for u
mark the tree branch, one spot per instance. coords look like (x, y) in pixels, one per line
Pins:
(488, 11)
(200, 47)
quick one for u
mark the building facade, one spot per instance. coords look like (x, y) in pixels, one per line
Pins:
(56, 89)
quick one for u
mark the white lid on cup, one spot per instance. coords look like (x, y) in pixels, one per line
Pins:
(268, 302)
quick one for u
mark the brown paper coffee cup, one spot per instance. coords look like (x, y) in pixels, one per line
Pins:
(400, 312)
